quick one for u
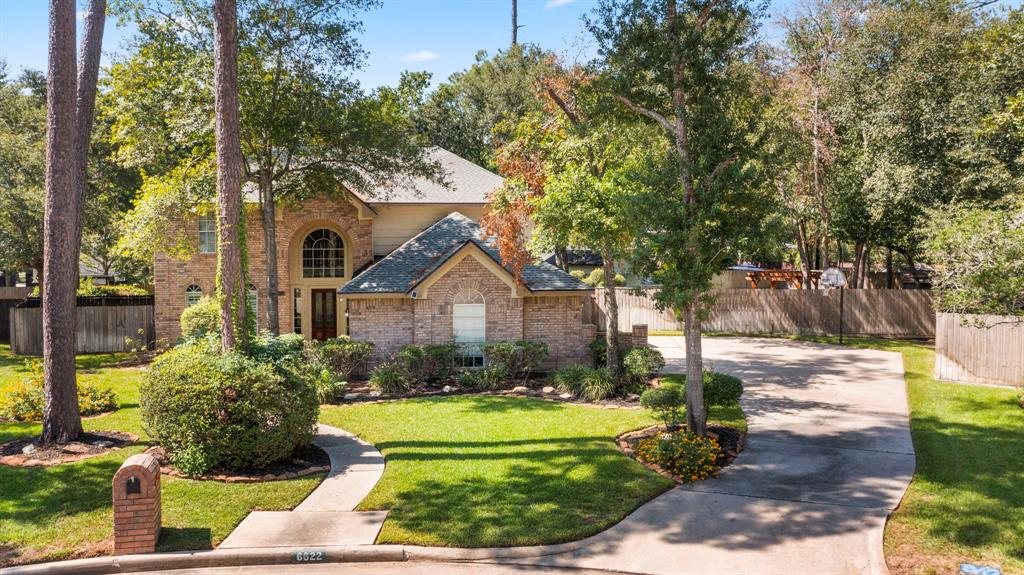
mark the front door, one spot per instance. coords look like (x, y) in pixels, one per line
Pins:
(325, 314)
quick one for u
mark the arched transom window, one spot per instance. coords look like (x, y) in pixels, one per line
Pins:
(193, 294)
(323, 255)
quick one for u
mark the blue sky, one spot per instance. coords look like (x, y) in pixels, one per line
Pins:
(439, 36)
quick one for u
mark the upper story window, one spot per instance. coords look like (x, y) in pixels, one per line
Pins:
(193, 294)
(207, 234)
(253, 299)
(323, 255)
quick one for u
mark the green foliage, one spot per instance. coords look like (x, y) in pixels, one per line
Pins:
(391, 378)
(492, 377)
(226, 411)
(980, 253)
(596, 278)
(277, 349)
(341, 355)
(598, 384)
(578, 274)
(720, 389)
(462, 113)
(24, 400)
(440, 360)
(570, 379)
(518, 359)
(685, 455)
(89, 289)
(641, 363)
(667, 403)
(599, 349)
(468, 378)
(201, 319)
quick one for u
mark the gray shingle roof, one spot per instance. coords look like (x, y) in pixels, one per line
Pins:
(468, 183)
(414, 261)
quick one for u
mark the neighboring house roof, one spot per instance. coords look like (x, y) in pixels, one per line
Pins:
(579, 257)
(414, 261)
(467, 182)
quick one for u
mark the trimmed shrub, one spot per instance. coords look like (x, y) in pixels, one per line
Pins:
(328, 389)
(466, 378)
(341, 355)
(273, 349)
(642, 363)
(598, 384)
(412, 359)
(24, 400)
(492, 377)
(200, 320)
(390, 378)
(599, 349)
(213, 410)
(570, 379)
(721, 389)
(440, 360)
(596, 278)
(667, 403)
(578, 274)
(685, 455)
(519, 358)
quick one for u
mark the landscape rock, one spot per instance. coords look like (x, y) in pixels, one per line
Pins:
(352, 396)
(447, 389)
(520, 389)
(28, 449)
(375, 393)
(75, 448)
(103, 443)
(632, 397)
(566, 396)
(548, 389)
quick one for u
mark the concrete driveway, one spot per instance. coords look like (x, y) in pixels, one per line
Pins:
(829, 456)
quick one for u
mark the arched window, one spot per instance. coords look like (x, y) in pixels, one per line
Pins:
(469, 326)
(193, 294)
(323, 255)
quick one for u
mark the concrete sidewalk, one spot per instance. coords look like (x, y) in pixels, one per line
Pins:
(829, 456)
(327, 516)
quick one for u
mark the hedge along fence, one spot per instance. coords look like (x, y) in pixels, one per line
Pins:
(872, 312)
(979, 348)
(102, 325)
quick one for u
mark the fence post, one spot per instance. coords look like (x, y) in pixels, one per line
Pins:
(640, 335)
(136, 487)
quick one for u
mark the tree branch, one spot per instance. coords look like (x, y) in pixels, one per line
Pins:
(719, 169)
(661, 120)
(564, 106)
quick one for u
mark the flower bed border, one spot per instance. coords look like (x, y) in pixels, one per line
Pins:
(171, 471)
(28, 461)
(626, 440)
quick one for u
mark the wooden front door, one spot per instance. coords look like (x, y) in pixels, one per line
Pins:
(325, 314)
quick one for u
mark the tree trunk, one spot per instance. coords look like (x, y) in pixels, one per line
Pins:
(890, 278)
(854, 280)
(230, 283)
(696, 415)
(562, 258)
(515, 22)
(801, 248)
(270, 244)
(85, 106)
(913, 269)
(61, 420)
(865, 271)
(611, 310)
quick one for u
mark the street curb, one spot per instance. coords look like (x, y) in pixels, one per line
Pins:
(283, 556)
(215, 558)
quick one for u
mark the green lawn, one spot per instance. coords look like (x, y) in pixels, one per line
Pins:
(966, 502)
(477, 471)
(64, 511)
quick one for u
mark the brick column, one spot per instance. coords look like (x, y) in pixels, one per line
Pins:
(136, 487)
(640, 335)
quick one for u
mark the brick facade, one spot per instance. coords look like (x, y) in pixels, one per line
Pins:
(557, 320)
(171, 276)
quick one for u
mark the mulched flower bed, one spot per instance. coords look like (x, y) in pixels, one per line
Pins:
(730, 440)
(538, 388)
(306, 461)
(25, 453)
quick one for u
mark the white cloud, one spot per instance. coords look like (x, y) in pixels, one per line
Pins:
(556, 3)
(421, 56)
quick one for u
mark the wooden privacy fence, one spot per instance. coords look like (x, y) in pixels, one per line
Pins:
(102, 325)
(992, 352)
(9, 298)
(890, 313)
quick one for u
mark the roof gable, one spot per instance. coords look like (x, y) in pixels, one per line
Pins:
(415, 261)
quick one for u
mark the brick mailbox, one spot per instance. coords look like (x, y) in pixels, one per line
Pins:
(137, 505)
(640, 335)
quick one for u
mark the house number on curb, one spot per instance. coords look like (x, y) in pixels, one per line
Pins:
(309, 556)
(968, 569)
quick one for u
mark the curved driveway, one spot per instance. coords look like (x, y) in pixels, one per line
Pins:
(828, 457)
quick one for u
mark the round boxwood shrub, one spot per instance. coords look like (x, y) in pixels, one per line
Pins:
(721, 389)
(667, 403)
(225, 411)
(201, 319)
(641, 363)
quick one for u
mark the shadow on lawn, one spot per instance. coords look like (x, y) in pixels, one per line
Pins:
(498, 404)
(41, 495)
(984, 506)
(182, 538)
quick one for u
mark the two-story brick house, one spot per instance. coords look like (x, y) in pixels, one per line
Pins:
(409, 267)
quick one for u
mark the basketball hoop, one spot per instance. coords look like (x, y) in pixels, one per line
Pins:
(835, 278)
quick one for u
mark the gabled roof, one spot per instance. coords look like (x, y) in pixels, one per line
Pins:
(467, 182)
(417, 259)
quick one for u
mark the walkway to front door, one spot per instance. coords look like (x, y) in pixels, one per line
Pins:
(325, 314)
